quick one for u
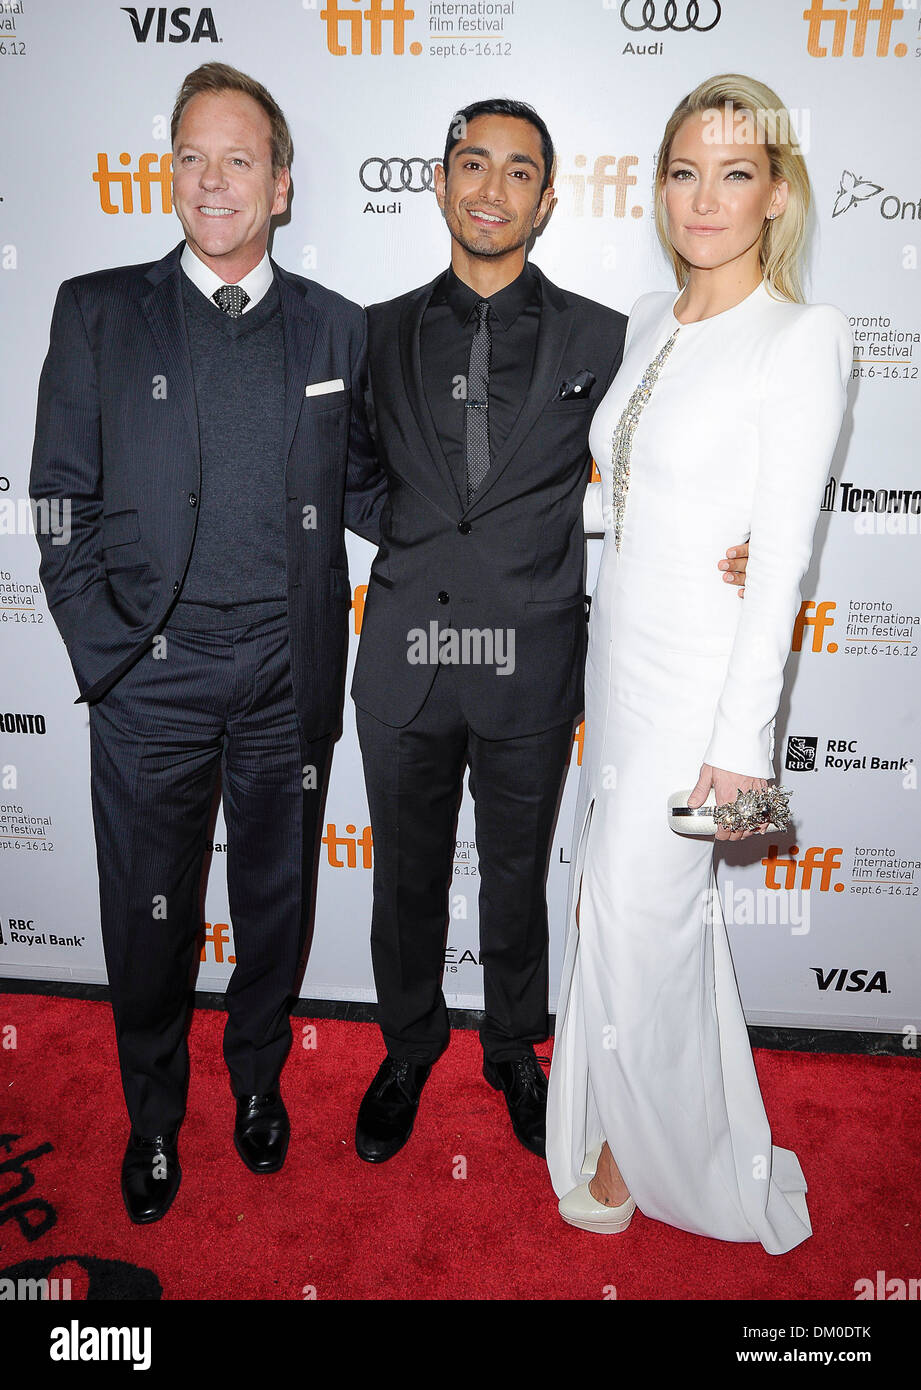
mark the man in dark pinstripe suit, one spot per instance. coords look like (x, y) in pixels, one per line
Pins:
(204, 415)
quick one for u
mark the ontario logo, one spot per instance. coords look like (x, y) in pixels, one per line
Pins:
(853, 189)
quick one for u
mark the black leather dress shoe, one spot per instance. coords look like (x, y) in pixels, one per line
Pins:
(525, 1087)
(261, 1132)
(150, 1176)
(388, 1112)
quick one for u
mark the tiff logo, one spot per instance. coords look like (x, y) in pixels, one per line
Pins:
(818, 621)
(884, 14)
(599, 181)
(815, 860)
(217, 936)
(152, 168)
(375, 16)
(351, 842)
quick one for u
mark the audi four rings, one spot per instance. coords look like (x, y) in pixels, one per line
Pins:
(670, 16)
(402, 175)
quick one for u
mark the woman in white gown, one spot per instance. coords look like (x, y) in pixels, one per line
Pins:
(722, 420)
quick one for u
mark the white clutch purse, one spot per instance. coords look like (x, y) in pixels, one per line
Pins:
(749, 809)
(686, 821)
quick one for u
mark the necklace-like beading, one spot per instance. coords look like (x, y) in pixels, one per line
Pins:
(623, 435)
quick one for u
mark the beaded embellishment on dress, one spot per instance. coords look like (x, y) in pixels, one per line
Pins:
(623, 435)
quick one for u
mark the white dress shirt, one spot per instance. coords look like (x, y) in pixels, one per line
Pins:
(256, 283)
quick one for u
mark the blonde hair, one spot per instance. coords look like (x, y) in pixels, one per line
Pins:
(783, 239)
(214, 78)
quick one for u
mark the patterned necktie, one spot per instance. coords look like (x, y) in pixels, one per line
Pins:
(476, 414)
(232, 299)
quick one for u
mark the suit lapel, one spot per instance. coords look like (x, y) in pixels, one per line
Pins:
(556, 317)
(299, 322)
(162, 307)
(410, 333)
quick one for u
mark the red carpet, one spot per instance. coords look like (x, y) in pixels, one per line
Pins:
(343, 1229)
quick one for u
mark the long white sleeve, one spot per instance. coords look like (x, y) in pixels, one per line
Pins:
(592, 510)
(802, 407)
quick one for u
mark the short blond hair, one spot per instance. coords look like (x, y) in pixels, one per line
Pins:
(783, 239)
(221, 77)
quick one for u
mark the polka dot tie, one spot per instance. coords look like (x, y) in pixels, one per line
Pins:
(476, 414)
(232, 299)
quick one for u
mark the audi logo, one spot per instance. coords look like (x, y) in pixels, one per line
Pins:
(402, 175)
(670, 16)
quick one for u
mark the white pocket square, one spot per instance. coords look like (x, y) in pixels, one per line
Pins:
(320, 388)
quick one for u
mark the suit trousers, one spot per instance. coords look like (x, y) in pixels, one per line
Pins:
(414, 779)
(208, 703)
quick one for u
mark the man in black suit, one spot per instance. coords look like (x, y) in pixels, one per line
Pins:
(204, 415)
(474, 635)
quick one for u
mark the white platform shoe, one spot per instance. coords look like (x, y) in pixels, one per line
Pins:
(580, 1209)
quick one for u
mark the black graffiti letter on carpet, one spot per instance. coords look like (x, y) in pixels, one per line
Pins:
(108, 1279)
(46, 1216)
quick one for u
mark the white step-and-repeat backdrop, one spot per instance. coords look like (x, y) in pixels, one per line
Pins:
(824, 924)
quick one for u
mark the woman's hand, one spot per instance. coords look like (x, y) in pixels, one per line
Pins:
(727, 786)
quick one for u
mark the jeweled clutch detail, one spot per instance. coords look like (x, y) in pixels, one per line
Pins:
(753, 808)
(749, 811)
(623, 434)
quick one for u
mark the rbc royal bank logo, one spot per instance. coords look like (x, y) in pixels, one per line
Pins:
(346, 19)
(801, 753)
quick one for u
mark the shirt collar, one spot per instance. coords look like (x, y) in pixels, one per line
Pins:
(504, 306)
(256, 283)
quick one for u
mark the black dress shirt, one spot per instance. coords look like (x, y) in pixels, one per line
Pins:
(448, 326)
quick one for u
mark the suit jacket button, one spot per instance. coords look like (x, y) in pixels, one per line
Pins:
(193, 500)
(176, 587)
(443, 597)
(464, 528)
